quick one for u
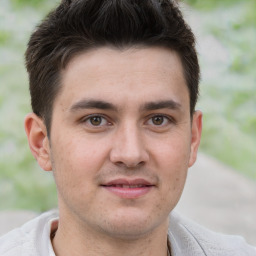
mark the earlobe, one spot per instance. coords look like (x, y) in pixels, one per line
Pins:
(196, 132)
(38, 140)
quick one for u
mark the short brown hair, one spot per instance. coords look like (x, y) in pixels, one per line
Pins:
(79, 25)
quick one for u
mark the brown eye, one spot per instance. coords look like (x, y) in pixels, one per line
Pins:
(157, 120)
(96, 120)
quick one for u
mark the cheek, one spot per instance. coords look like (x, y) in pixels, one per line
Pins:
(173, 182)
(173, 154)
(172, 159)
(79, 153)
(76, 161)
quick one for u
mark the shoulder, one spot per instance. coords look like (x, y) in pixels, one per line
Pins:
(189, 239)
(24, 240)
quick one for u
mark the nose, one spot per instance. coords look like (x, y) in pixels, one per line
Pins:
(128, 148)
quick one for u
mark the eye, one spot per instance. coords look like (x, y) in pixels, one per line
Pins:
(160, 121)
(96, 120)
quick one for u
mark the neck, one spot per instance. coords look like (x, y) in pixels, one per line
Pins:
(76, 240)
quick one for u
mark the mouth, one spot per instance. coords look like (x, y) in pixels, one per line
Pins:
(129, 189)
(127, 186)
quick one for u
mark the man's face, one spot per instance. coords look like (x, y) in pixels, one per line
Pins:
(122, 139)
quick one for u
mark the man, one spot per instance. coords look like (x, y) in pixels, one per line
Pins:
(113, 90)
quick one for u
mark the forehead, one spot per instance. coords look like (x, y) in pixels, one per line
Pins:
(134, 59)
(132, 75)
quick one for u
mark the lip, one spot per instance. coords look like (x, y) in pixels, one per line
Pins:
(129, 188)
(138, 181)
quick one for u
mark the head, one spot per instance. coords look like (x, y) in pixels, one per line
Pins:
(114, 86)
(77, 26)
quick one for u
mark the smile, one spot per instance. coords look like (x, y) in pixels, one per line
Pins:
(129, 186)
(129, 189)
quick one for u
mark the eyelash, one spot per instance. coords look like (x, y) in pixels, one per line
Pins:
(169, 119)
(88, 118)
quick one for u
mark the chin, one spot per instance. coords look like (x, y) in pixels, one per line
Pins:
(132, 224)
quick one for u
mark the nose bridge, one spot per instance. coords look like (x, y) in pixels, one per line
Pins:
(128, 146)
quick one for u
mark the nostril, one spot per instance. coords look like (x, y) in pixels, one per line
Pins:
(130, 165)
(136, 164)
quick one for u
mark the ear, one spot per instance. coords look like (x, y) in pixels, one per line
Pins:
(196, 132)
(38, 140)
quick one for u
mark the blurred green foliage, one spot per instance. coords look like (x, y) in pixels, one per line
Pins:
(22, 184)
(19, 4)
(211, 4)
(4, 37)
(22, 3)
(228, 97)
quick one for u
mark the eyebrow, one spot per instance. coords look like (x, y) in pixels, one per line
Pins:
(170, 104)
(100, 104)
(90, 104)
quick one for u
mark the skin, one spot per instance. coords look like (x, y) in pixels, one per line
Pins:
(143, 130)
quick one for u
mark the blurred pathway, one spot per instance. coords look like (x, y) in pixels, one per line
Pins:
(220, 199)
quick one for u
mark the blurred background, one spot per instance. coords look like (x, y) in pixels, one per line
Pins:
(226, 40)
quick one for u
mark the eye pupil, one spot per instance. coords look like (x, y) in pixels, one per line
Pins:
(157, 120)
(96, 120)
